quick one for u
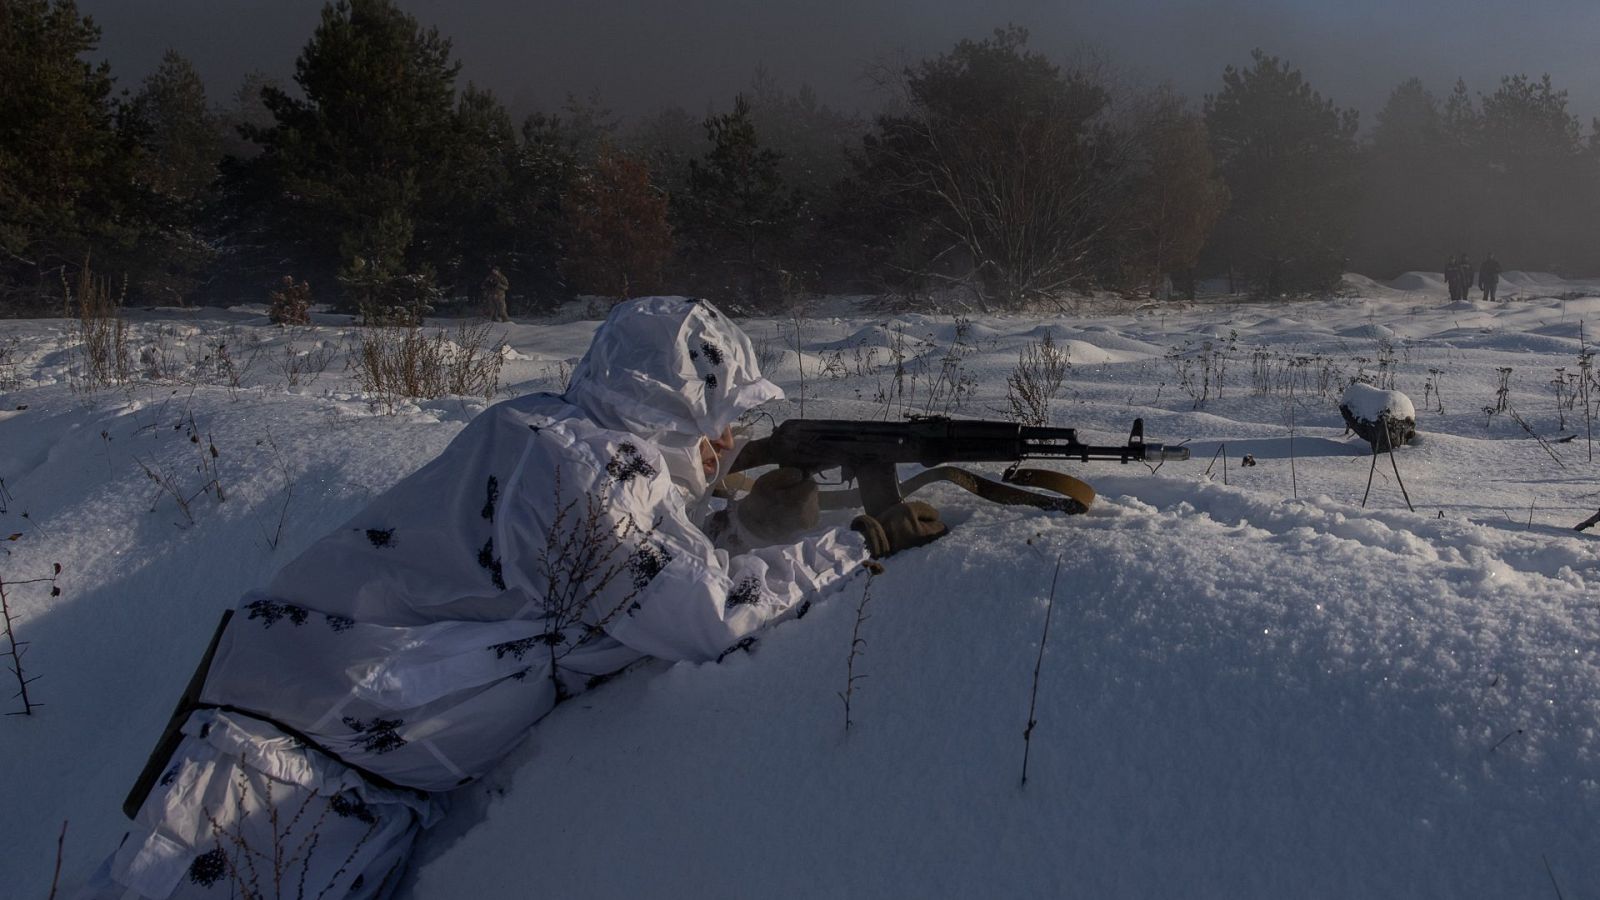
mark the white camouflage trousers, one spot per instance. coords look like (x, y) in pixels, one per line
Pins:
(244, 810)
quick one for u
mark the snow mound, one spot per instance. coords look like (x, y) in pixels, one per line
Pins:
(870, 336)
(1583, 307)
(1525, 280)
(1419, 281)
(1103, 341)
(1368, 288)
(1085, 353)
(1371, 331)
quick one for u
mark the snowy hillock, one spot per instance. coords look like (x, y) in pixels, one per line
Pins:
(1252, 685)
(1420, 281)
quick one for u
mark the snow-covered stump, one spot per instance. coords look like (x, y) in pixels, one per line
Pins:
(1384, 419)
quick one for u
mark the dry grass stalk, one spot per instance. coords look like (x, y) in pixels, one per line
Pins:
(1033, 699)
(857, 642)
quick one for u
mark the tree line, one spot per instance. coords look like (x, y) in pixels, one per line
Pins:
(392, 188)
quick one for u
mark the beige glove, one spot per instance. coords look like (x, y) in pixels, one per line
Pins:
(908, 524)
(781, 506)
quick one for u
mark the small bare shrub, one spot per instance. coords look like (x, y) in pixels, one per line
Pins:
(302, 368)
(16, 649)
(158, 356)
(587, 549)
(1286, 374)
(1502, 393)
(560, 375)
(220, 366)
(393, 365)
(769, 353)
(897, 393)
(799, 357)
(282, 465)
(10, 362)
(1433, 390)
(171, 484)
(1585, 384)
(1386, 365)
(953, 384)
(1202, 371)
(280, 869)
(290, 304)
(1041, 368)
(102, 331)
(1565, 385)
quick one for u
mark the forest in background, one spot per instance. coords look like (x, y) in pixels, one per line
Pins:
(382, 185)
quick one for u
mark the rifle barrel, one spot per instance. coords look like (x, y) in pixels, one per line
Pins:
(1123, 453)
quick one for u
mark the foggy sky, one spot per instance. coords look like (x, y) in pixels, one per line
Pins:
(642, 55)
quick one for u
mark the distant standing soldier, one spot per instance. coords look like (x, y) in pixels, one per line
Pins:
(494, 295)
(1452, 277)
(1467, 271)
(1489, 276)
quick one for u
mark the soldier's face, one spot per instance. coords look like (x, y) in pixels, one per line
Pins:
(711, 450)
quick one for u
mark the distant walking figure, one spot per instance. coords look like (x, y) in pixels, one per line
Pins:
(1467, 273)
(1489, 276)
(1452, 277)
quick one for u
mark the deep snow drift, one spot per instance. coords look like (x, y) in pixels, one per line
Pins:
(1252, 686)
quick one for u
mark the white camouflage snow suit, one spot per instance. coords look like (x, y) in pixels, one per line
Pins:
(550, 545)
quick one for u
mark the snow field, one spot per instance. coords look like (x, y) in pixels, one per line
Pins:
(1249, 689)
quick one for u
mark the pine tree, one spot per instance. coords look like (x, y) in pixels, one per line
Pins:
(1175, 197)
(469, 225)
(549, 157)
(354, 157)
(810, 137)
(1289, 159)
(813, 142)
(176, 132)
(248, 223)
(1460, 165)
(1411, 172)
(1533, 169)
(1589, 189)
(63, 175)
(246, 113)
(738, 210)
(177, 149)
(666, 141)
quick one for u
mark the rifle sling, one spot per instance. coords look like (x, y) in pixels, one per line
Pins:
(1067, 494)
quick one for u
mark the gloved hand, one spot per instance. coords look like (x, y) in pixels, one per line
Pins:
(910, 523)
(781, 506)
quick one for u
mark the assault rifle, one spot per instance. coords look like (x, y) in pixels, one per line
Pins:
(867, 452)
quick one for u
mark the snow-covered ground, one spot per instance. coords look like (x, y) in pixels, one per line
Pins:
(1252, 685)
